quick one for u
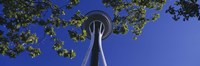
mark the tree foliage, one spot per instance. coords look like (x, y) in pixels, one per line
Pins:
(184, 8)
(19, 15)
(136, 11)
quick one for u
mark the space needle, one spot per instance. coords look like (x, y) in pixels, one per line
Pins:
(98, 27)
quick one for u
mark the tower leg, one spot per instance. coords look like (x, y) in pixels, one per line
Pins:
(100, 44)
(95, 45)
(95, 54)
(95, 49)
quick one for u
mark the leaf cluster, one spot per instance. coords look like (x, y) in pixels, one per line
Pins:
(18, 17)
(135, 14)
(187, 9)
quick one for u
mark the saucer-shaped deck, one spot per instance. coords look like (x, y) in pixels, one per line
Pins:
(101, 16)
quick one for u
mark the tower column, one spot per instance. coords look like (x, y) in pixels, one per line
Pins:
(98, 27)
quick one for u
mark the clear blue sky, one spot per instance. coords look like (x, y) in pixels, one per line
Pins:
(162, 43)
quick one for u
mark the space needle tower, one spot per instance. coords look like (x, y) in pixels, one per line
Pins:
(98, 27)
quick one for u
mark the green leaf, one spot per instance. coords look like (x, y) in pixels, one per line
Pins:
(63, 12)
(29, 48)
